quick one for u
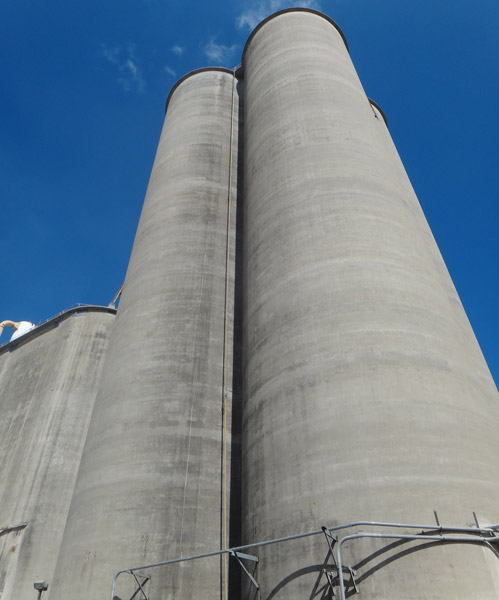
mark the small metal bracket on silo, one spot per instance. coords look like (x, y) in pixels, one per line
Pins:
(40, 587)
(331, 541)
(331, 573)
(241, 555)
(140, 588)
(10, 529)
(333, 577)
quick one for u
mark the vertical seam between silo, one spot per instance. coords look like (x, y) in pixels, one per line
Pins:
(224, 351)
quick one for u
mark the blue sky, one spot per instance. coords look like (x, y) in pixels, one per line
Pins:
(82, 98)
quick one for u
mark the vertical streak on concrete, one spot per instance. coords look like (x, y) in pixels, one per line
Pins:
(48, 385)
(149, 486)
(236, 332)
(365, 393)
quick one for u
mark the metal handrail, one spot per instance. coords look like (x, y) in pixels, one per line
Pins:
(73, 307)
(489, 530)
(421, 536)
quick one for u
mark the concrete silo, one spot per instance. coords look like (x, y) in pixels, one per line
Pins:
(48, 383)
(366, 396)
(154, 478)
(281, 244)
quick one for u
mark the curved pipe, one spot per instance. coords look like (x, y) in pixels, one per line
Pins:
(12, 324)
(18, 329)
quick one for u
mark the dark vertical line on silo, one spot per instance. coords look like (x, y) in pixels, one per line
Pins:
(224, 482)
(237, 370)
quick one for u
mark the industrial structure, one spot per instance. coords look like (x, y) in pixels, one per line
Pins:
(289, 357)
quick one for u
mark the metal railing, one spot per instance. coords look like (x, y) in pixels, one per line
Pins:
(73, 308)
(474, 535)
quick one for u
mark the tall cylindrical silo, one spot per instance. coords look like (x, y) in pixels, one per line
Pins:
(154, 479)
(366, 396)
(48, 382)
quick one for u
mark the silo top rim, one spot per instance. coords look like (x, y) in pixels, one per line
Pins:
(195, 72)
(290, 10)
(380, 110)
(49, 323)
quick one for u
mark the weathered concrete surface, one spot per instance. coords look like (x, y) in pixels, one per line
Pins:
(366, 395)
(151, 484)
(48, 382)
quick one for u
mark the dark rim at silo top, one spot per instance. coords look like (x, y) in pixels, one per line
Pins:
(239, 69)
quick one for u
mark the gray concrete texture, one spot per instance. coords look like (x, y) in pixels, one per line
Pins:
(366, 395)
(48, 383)
(154, 481)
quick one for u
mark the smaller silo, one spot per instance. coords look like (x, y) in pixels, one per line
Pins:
(48, 382)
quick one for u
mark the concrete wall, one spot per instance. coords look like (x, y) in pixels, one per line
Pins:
(48, 382)
(154, 479)
(366, 395)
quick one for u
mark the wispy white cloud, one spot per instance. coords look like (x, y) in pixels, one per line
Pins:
(219, 52)
(111, 53)
(169, 71)
(178, 50)
(125, 61)
(254, 15)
